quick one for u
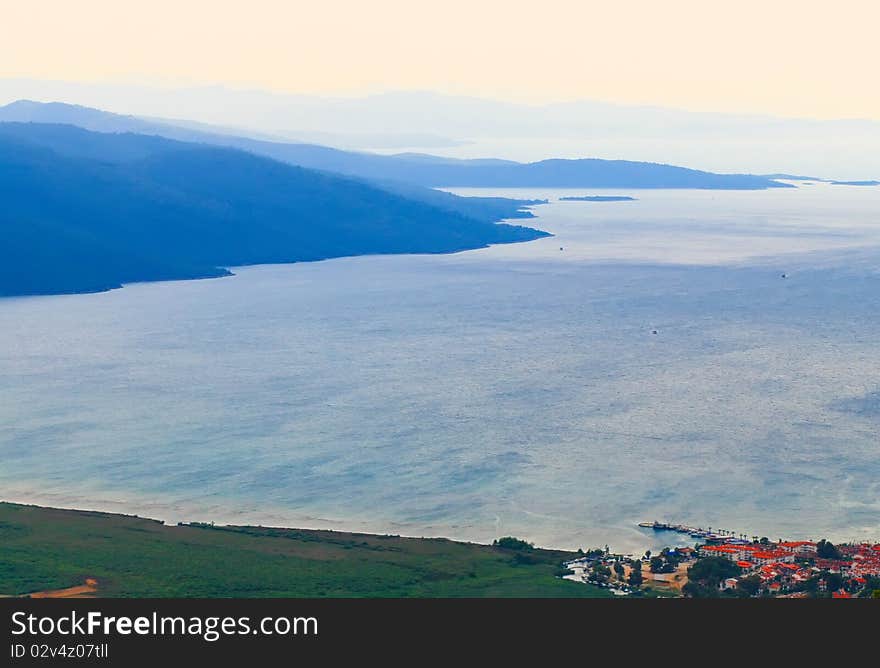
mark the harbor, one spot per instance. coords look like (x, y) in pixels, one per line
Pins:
(709, 534)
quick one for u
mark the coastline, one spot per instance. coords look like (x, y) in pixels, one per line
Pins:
(65, 553)
(51, 552)
(629, 538)
(229, 272)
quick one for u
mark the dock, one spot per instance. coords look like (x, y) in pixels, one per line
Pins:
(709, 535)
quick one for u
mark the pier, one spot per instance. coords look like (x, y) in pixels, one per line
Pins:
(709, 535)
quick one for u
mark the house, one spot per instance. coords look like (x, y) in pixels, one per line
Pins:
(729, 583)
(771, 556)
(800, 547)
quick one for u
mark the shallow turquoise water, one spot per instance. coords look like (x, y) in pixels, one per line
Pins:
(513, 390)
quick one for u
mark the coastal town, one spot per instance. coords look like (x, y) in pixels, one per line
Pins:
(728, 564)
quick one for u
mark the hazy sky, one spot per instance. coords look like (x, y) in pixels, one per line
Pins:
(790, 58)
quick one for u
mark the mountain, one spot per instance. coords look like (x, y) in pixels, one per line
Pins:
(318, 157)
(85, 211)
(708, 140)
(428, 171)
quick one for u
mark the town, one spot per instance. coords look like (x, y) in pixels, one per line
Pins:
(727, 564)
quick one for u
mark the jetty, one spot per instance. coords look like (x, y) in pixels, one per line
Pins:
(709, 535)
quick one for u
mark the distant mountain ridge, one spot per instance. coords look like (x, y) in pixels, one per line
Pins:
(424, 170)
(85, 211)
(712, 140)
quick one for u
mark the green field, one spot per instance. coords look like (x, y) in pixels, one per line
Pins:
(45, 548)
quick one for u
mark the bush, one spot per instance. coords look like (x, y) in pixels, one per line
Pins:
(511, 543)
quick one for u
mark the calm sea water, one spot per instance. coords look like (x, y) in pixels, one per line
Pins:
(512, 390)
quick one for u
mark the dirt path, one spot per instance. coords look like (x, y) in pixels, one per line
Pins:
(85, 590)
(674, 581)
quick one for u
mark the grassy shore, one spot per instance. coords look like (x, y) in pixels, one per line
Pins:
(47, 548)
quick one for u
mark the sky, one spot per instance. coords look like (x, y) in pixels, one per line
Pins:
(800, 59)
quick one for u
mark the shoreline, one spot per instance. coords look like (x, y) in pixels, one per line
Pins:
(266, 519)
(229, 272)
(54, 552)
(218, 525)
(51, 552)
(170, 515)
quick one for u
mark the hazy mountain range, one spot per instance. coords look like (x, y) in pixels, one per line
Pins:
(94, 199)
(424, 170)
(457, 126)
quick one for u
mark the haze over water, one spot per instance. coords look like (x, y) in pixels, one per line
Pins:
(513, 390)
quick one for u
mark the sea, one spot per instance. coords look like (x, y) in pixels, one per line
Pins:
(710, 358)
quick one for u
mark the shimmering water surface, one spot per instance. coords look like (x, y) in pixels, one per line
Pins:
(513, 390)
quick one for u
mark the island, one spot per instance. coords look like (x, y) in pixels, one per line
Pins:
(598, 198)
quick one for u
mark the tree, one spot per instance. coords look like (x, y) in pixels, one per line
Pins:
(810, 586)
(673, 558)
(635, 575)
(711, 571)
(696, 590)
(511, 543)
(619, 569)
(833, 581)
(872, 586)
(826, 550)
(750, 585)
(600, 573)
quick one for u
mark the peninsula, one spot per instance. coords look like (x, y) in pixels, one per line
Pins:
(87, 212)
